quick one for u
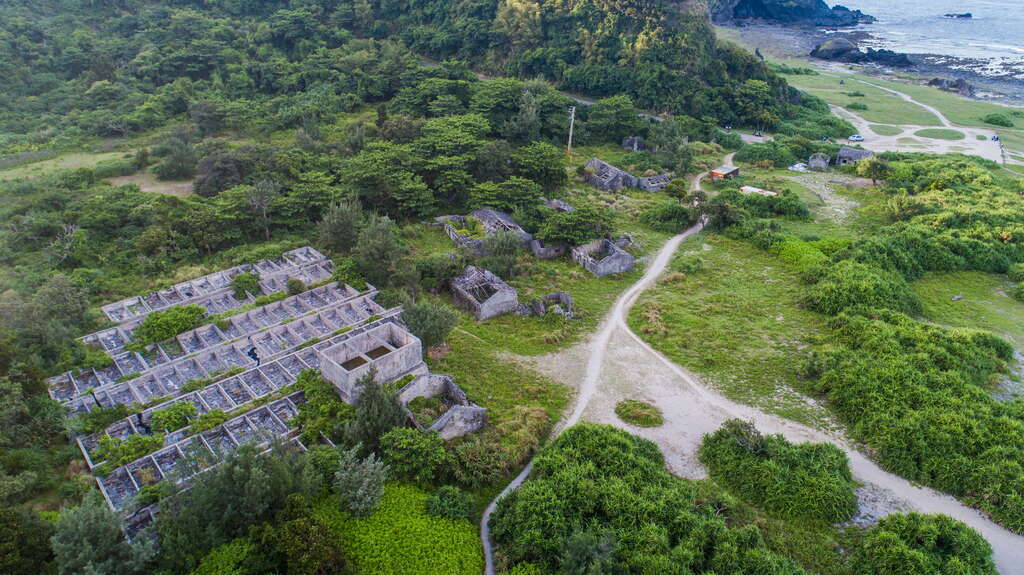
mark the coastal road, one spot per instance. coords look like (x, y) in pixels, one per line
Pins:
(616, 364)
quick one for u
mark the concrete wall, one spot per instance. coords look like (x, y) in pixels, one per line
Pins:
(602, 257)
(405, 355)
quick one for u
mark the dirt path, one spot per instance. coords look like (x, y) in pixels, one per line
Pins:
(616, 364)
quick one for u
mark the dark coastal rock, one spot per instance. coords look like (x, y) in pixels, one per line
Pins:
(958, 86)
(843, 50)
(793, 12)
(963, 16)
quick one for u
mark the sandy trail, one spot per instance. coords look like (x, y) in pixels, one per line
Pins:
(615, 364)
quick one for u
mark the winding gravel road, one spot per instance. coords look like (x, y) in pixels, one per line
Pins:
(616, 364)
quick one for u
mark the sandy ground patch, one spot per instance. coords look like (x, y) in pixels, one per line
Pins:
(148, 183)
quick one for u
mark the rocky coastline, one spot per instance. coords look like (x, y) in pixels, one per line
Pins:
(787, 12)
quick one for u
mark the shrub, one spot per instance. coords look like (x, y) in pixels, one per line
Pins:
(209, 420)
(430, 321)
(165, 324)
(851, 284)
(1017, 292)
(416, 542)
(173, 417)
(857, 106)
(798, 253)
(450, 502)
(809, 481)
(360, 482)
(296, 286)
(1016, 273)
(639, 413)
(916, 544)
(669, 216)
(413, 454)
(998, 120)
(121, 450)
(323, 412)
(615, 483)
(347, 273)
(101, 417)
(245, 283)
(437, 270)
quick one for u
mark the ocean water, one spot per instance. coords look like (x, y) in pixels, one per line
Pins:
(992, 41)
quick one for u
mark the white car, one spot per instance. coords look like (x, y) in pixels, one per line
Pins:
(856, 138)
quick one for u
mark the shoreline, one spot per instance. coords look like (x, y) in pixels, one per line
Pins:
(781, 42)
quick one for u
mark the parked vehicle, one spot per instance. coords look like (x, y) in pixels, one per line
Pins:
(856, 138)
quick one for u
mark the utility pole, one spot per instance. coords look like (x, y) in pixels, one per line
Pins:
(572, 123)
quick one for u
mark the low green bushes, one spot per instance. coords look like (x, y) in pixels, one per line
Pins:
(173, 417)
(849, 284)
(1001, 120)
(915, 544)
(245, 283)
(602, 493)
(165, 324)
(639, 413)
(806, 481)
(401, 537)
(119, 451)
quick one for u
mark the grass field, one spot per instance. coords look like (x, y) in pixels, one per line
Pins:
(738, 322)
(940, 134)
(883, 130)
(883, 107)
(985, 304)
(69, 161)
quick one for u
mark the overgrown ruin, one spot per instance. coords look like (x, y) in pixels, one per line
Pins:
(483, 293)
(602, 257)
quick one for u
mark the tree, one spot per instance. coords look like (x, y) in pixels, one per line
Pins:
(614, 119)
(413, 454)
(208, 117)
(543, 163)
(515, 192)
(295, 286)
(310, 547)
(755, 104)
(576, 227)
(430, 321)
(339, 229)
(88, 539)
(178, 157)
(377, 412)
(258, 199)
(62, 298)
(360, 482)
(380, 252)
(589, 553)
(24, 542)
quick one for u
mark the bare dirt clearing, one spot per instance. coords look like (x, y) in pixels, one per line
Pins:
(149, 184)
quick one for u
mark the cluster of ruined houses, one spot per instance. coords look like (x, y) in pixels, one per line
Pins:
(485, 295)
(333, 328)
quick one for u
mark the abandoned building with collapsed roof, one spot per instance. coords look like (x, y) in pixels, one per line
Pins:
(610, 178)
(602, 257)
(484, 294)
(335, 329)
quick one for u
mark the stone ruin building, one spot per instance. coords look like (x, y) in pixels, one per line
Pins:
(484, 294)
(459, 415)
(336, 329)
(602, 257)
(607, 177)
(848, 156)
(212, 292)
(634, 144)
(819, 161)
(558, 205)
(654, 184)
(492, 222)
(559, 303)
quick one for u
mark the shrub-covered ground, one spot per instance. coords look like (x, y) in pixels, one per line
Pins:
(400, 537)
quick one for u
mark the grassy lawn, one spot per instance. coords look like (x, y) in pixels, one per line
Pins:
(940, 134)
(883, 130)
(985, 304)
(738, 323)
(883, 107)
(69, 161)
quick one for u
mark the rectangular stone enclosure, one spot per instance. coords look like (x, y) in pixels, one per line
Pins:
(387, 350)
